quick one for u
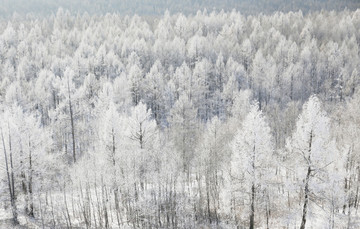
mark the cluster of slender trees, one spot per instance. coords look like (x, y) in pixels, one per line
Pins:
(215, 120)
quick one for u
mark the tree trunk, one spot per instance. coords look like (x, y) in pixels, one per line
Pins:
(30, 191)
(268, 212)
(208, 200)
(67, 213)
(24, 189)
(306, 189)
(306, 200)
(252, 207)
(72, 124)
(11, 185)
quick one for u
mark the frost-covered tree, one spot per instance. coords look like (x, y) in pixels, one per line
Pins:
(252, 150)
(26, 147)
(211, 154)
(183, 123)
(67, 90)
(314, 152)
(136, 79)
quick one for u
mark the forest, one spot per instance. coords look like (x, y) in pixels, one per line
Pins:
(211, 120)
(157, 7)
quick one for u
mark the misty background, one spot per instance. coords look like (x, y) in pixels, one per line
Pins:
(158, 7)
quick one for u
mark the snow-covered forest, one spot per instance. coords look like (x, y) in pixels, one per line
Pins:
(158, 7)
(211, 120)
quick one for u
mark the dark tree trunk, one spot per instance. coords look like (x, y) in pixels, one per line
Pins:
(208, 200)
(10, 184)
(252, 207)
(72, 124)
(306, 189)
(306, 200)
(30, 190)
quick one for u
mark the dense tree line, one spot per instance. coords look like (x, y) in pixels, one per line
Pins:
(216, 119)
(158, 7)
